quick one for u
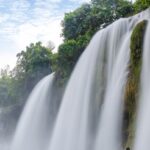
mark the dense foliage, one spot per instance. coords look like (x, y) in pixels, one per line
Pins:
(80, 25)
(140, 5)
(32, 65)
(5, 88)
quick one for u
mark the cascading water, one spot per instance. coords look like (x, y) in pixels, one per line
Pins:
(34, 126)
(91, 113)
(143, 123)
(111, 117)
(72, 130)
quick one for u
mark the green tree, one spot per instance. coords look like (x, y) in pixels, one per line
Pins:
(76, 23)
(80, 25)
(32, 65)
(7, 95)
(141, 5)
(67, 55)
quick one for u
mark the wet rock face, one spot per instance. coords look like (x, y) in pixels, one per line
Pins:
(136, 45)
(132, 87)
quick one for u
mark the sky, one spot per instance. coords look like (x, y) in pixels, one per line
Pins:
(26, 21)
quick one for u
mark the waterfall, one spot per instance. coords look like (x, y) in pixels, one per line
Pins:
(143, 123)
(104, 62)
(34, 126)
(71, 129)
(91, 112)
(109, 130)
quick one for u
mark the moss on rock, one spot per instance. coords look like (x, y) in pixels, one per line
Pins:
(137, 43)
(131, 93)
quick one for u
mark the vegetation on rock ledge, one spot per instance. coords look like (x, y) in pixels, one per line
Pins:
(132, 87)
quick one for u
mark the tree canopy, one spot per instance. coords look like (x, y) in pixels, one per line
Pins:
(32, 65)
(140, 5)
(80, 25)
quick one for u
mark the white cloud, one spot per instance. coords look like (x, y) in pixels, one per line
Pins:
(3, 17)
(26, 21)
(7, 52)
(7, 58)
(24, 35)
(48, 1)
(28, 33)
(21, 6)
(80, 1)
